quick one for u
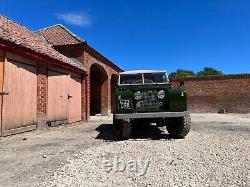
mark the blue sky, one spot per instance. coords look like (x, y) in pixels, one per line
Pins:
(156, 34)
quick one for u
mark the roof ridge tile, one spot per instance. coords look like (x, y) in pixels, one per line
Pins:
(59, 34)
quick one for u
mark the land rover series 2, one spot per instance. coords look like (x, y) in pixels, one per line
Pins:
(146, 96)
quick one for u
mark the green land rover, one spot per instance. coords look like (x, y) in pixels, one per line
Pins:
(146, 96)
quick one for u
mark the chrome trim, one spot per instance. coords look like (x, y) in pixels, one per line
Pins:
(152, 115)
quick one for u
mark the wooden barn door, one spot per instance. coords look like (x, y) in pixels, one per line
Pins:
(57, 96)
(74, 113)
(20, 97)
(64, 96)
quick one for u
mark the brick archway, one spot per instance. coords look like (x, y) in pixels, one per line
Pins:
(98, 90)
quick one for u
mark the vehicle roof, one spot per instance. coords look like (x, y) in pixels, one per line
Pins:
(142, 71)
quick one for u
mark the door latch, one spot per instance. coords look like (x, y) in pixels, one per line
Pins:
(69, 96)
(4, 93)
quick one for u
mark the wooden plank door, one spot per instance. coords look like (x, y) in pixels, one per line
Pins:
(74, 113)
(20, 105)
(57, 96)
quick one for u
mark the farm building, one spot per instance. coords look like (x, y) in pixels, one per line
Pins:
(49, 77)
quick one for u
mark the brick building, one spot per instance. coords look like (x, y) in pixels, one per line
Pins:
(50, 76)
(212, 93)
(101, 72)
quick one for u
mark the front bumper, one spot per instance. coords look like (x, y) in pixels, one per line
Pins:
(151, 115)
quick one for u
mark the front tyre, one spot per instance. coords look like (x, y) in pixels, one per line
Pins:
(179, 127)
(117, 127)
(122, 129)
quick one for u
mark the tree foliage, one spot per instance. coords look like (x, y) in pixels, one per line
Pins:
(209, 71)
(189, 73)
(182, 73)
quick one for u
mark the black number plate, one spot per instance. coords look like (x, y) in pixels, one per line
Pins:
(125, 104)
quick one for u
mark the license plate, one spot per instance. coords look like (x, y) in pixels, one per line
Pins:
(125, 104)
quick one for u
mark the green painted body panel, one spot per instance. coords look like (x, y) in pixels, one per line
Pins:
(177, 100)
(174, 101)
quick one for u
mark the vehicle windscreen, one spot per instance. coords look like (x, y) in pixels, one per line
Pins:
(131, 79)
(149, 78)
(155, 78)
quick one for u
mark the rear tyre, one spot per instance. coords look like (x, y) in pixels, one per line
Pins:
(179, 127)
(122, 128)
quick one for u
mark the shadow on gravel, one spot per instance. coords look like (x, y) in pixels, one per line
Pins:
(105, 132)
(150, 132)
(218, 127)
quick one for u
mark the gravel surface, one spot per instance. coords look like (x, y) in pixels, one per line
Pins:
(214, 159)
(215, 153)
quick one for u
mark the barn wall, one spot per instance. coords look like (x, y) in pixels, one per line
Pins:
(41, 90)
(41, 87)
(19, 108)
(210, 93)
(77, 52)
(87, 56)
(64, 96)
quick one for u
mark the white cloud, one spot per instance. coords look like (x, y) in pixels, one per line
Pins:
(82, 19)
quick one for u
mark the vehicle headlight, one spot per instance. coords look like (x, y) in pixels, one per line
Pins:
(161, 94)
(137, 95)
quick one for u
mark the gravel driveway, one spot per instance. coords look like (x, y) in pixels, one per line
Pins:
(215, 153)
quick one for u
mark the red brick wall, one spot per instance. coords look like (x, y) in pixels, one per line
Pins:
(210, 93)
(42, 73)
(83, 98)
(106, 74)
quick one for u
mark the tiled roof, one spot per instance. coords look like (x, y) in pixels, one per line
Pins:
(59, 35)
(15, 33)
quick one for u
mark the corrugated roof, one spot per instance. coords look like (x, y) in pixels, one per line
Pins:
(14, 32)
(59, 35)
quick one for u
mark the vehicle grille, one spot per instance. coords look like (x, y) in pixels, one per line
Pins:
(149, 99)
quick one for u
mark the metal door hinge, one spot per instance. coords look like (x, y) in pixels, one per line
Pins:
(4, 93)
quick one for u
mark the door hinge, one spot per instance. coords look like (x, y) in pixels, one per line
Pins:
(4, 93)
